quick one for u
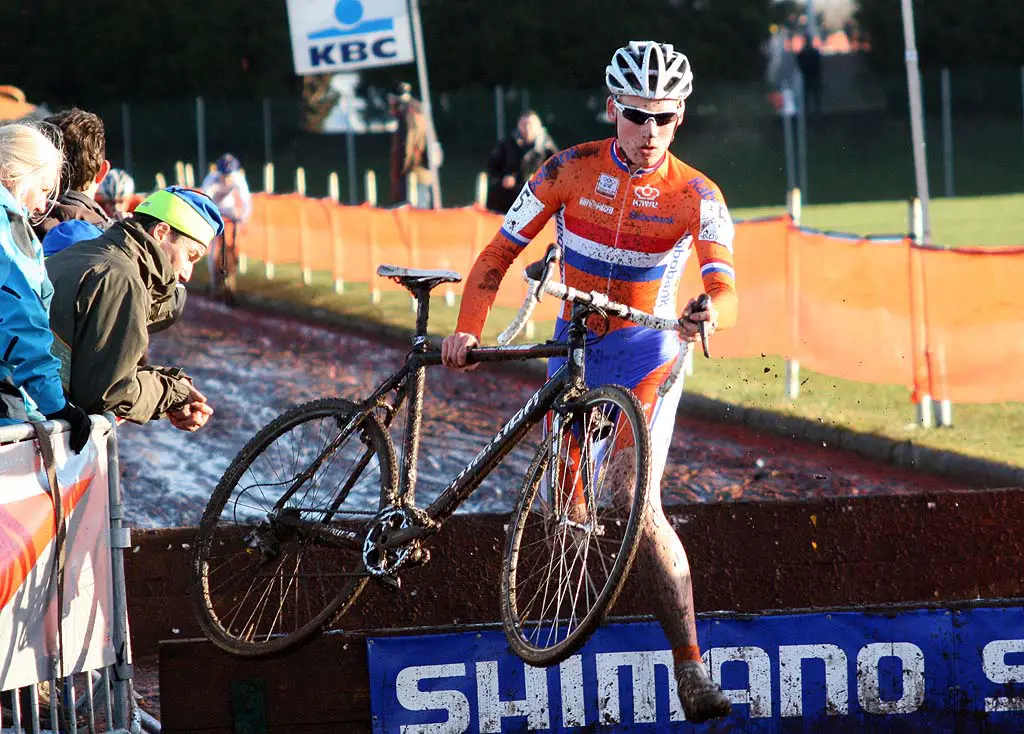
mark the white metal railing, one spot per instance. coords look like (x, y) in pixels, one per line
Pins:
(102, 696)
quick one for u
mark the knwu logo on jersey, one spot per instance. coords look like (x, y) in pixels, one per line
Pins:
(919, 670)
(646, 196)
(348, 34)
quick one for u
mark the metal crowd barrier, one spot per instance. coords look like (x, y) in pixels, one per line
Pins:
(104, 699)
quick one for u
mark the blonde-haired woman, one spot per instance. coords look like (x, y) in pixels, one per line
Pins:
(29, 373)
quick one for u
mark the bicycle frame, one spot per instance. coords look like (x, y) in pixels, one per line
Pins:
(408, 382)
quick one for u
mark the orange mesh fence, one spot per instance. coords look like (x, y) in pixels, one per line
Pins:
(760, 258)
(852, 305)
(863, 309)
(974, 320)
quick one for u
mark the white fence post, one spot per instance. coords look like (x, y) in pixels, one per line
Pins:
(925, 409)
(795, 206)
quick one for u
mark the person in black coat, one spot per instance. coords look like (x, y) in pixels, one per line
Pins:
(515, 159)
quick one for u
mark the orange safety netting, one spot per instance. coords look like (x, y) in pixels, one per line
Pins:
(942, 322)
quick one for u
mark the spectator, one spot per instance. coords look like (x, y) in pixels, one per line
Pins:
(227, 186)
(116, 193)
(30, 382)
(515, 159)
(409, 148)
(106, 293)
(809, 62)
(76, 216)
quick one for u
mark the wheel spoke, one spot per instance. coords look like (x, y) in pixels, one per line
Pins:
(567, 557)
(280, 547)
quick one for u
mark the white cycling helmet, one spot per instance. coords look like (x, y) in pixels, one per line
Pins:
(117, 185)
(651, 70)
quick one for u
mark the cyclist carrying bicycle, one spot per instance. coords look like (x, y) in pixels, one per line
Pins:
(629, 214)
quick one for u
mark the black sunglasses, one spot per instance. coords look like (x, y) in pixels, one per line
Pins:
(640, 117)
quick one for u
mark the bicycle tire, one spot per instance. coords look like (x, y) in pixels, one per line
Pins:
(244, 526)
(547, 532)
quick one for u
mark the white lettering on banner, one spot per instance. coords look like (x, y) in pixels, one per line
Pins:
(492, 709)
(328, 36)
(993, 663)
(648, 674)
(791, 683)
(570, 674)
(758, 693)
(410, 696)
(868, 688)
(642, 667)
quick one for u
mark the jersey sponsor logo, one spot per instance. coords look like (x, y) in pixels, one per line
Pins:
(673, 272)
(607, 185)
(523, 211)
(702, 188)
(646, 196)
(647, 191)
(551, 168)
(591, 204)
(716, 224)
(651, 218)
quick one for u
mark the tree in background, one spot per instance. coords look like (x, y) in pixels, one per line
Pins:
(950, 33)
(89, 52)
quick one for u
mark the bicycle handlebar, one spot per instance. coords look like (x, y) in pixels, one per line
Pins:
(601, 302)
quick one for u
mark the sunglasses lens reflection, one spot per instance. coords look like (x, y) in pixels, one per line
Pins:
(639, 117)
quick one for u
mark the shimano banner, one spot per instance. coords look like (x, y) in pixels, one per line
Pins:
(936, 670)
(346, 35)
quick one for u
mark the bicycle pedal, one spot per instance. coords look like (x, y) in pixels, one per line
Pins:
(392, 583)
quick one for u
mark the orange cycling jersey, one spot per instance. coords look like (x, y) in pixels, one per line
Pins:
(625, 234)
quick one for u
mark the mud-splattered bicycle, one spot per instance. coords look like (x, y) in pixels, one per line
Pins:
(315, 505)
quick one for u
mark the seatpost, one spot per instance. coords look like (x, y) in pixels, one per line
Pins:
(422, 295)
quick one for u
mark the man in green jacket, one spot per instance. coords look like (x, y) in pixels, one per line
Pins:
(108, 291)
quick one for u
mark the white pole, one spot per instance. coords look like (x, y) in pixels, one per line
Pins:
(795, 206)
(801, 133)
(947, 133)
(916, 118)
(421, 70)
(925, 408)
(481, 189)
(333, 186)
(788, 112)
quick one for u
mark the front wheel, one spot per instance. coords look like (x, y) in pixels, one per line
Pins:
(575, 529)
(278, 556)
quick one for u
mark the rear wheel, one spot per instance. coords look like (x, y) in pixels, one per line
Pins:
(575, 528)
(278, 556)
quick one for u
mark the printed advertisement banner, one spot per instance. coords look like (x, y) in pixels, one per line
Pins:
(936, 670)
(348, 35)
(28, 598)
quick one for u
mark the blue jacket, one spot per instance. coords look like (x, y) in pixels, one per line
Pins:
(25, 292)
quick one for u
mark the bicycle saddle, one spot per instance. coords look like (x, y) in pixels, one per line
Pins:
(417, 279)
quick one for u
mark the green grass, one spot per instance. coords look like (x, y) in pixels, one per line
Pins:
(987, 221)
(990, 431)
